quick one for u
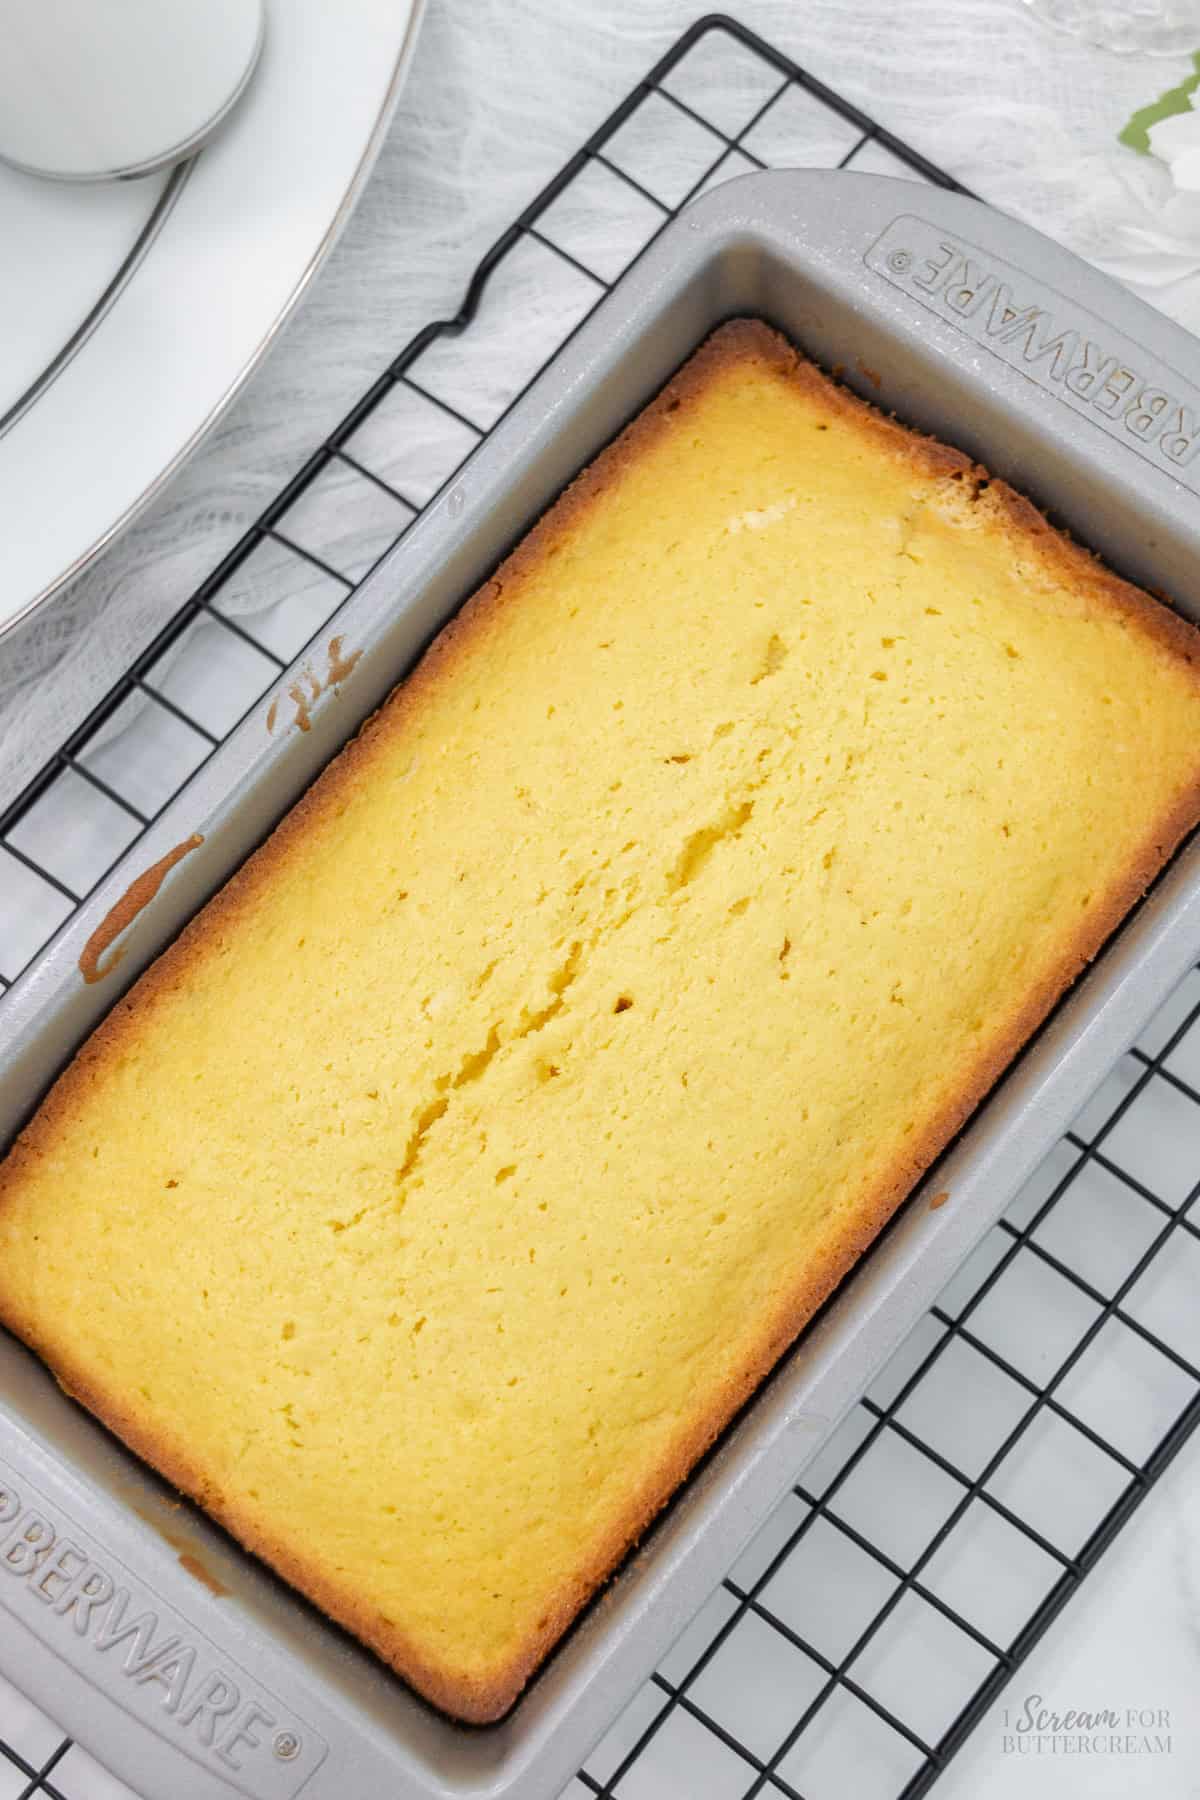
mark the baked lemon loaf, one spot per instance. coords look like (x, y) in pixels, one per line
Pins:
(469, 1159)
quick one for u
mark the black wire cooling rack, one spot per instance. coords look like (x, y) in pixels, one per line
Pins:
(875, 1621)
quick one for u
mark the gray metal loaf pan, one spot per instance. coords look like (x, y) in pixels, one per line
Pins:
(966, 324)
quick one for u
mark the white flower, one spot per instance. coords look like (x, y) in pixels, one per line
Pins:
(1176, 141)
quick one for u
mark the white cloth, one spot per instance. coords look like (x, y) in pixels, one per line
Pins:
(500, 93)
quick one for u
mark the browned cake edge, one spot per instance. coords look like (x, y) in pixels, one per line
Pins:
(469, 1697)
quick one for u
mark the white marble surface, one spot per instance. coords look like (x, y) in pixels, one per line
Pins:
(499, 96)
(1130, 1639)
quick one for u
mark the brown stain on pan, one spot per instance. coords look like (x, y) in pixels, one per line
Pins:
(189, 1561)
(939, 1200)
(196, 1569)
(302, 703)
(340, 667)
(137, 895)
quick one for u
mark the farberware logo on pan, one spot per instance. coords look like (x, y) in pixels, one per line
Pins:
(1049, 339)
(117, 1632)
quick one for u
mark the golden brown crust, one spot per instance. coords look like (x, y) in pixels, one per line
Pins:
(475, 1699)
(1070, 563)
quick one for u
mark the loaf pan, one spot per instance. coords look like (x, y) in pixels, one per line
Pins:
(966, 324)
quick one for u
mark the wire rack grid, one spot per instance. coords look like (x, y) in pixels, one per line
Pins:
(879, 1614)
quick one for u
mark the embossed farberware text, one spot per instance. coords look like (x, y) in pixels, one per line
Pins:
(1048, 338)
(127, 1641)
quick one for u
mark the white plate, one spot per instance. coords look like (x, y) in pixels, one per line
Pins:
(131, 313)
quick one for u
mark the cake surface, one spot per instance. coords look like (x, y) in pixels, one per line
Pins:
(430, 1205)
